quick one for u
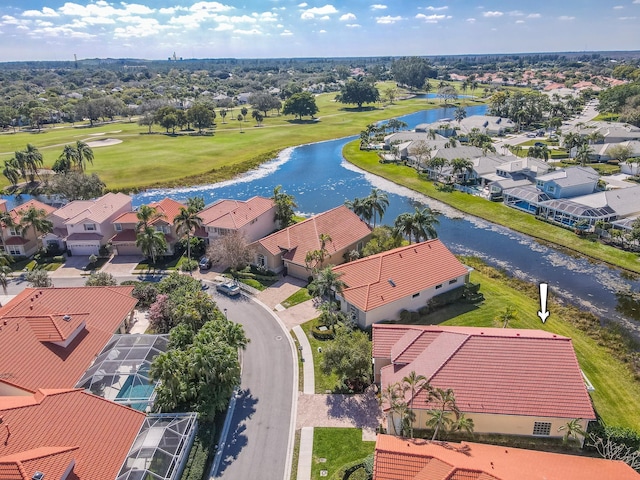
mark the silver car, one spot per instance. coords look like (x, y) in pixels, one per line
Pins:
(229, 288)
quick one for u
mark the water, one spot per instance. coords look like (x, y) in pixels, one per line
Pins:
(320, 179)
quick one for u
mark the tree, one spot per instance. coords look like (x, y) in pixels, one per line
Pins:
(5, 271)
(200, 116)
(32, 161)
(223, 114)
(11, 171)
(357, 92)
(376, 203)
(392, 396)
(243, 112)
(285, 205)
(445, 403)
(540, 151)
(447, 93)
(147, 119)
(76, 186)
(411, 71)
(100, 279)
(383, 238)
(264, 102)
(419, 225)
(232, 250)
(509, 314)
(38, 278)
(146, 215)
(326, 284)
(461, 166)
(84, 155)
(152, 243)
(187, 222)
(349, 356)
(315, 258)
(460, 114)
(621, 153)
(572, 429)
(583, 155)
(66, 160)
(437, 164)
(257, 116)
(300, 104)
(36, 218)
(414, 383)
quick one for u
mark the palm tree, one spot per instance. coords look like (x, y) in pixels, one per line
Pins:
(446, 403)
(36, 218)
(152, 242)
(392, 396)
(66, 160)
(32, 161)
(404, 225)
(11, 171)
(327, 283)
(583, 154)
(146, 215)
(84, 154)
(377, 203)
(460, 166)
(572, 429)
(507, 315)
(187, 222)
(437, 164)
(423, 224)
(6, 221)
(4, 277)
(460, 114)
(285, 205)
(357, 206)
(462, 422)
(541, 151)
(414, 383)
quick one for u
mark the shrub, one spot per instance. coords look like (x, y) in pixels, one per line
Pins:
(405, 316)
(188, 265)
(58, 259)
(327, 334)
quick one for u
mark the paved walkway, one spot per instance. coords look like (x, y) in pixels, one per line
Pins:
(280, 291)
(299, 314)
(306, 356)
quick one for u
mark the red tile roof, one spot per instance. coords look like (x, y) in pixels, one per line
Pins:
(57, 427)
(127, 217)
(235, 214)
(34, 319)
(389, 276)
(491, 370)
(17, 212)
(344, 227)
(14, 240)
(128, 235)
(410, 459)
(169, 208)
(97, 210)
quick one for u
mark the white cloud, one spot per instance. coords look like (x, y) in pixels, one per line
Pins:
(516, 13)
(347, 16)
(137, 9)
(492, 14)
(322, 31)
(618, 7)
(321, 12)
(287, 33)
(253, 31)
(209, 7)
(303, 5)
(566, 18)
(378, 6)
(224, 27)
(627, 18)
(471, 20)
(353, 25)
(534, 15)
(436, 9)
(265, 17)
(46, 12)
(388, 20)
(519, 21)
(432, 18)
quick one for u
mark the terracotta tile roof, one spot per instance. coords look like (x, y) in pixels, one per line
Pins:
(55, 461)
(491, 370)
(16, 241)
(84, 236)
(96, 210)
(17, 212)
(168, 207)
(127, 217)
(235, 214)
(96, 433)
(34, 319)
(344, 227)
(411, 459)
(128, 235)
(389, 276)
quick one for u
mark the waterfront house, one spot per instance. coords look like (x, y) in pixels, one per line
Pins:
(19, 241)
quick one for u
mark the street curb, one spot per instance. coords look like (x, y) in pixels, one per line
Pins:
(294, 392)
(213, 473)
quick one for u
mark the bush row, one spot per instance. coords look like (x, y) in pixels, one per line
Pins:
(327, 334)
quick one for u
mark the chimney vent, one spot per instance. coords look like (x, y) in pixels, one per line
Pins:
(38, 476)
(66, 318)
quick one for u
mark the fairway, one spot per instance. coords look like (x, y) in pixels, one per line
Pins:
(142, 160)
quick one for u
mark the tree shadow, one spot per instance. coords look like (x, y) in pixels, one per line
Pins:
(366, 108)
(298, 121)
(363, 410)
(237, 438)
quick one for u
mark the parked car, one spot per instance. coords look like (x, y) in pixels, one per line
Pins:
(205, 263)
(539, 144)
(531, 135)
(229, 288)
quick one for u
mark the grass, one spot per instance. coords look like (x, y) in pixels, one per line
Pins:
(533, 141)
(324, 383)
(162, 263)
(616, 388)
(295, 456)
(491, 211)
(145, 160)
(606, 117)
(300, 296)
(338, 446)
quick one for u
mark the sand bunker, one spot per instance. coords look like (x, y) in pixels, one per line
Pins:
(104, 142)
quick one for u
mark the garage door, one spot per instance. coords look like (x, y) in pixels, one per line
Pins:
(127, 249)
(83, 249)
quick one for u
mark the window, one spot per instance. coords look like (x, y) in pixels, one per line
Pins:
(438, 286)
(451, 282)
(261, 260)
(551, 188)
(90, 227)
(415, 295)
(13, 232)
(118, 227)
(542, 428)
(13, 250)
(540, 183)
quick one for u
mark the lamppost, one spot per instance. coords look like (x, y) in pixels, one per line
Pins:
(225, 313)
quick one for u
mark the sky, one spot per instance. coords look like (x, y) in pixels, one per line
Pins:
(155, 29)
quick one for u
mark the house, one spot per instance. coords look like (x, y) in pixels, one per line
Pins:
(67, 434)
(83, 226)
(380, 286)
(20, 241)
(254, 218)
(287, 249)
(518, 168)
(568, 182)
(527, 398)
(124, 241)
(606, 151)
(414, 459)
(50, 336)
(485, 124)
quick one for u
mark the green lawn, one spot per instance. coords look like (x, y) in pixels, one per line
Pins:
(144, 160)
(335, 447)
(162, 263)
(324, 383)
(491, 211)
(300, 296)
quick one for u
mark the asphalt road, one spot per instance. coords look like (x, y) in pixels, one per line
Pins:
(257, 445)
(258, 441)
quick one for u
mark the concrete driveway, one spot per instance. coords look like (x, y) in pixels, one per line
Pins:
(122, 264)
(72, 267)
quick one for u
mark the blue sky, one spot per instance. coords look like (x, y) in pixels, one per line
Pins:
(154, 29)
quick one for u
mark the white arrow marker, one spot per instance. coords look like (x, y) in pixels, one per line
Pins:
(543, 313)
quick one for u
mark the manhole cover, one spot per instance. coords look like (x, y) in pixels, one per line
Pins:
(323, 473)
(279, 337)
(322, 460)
